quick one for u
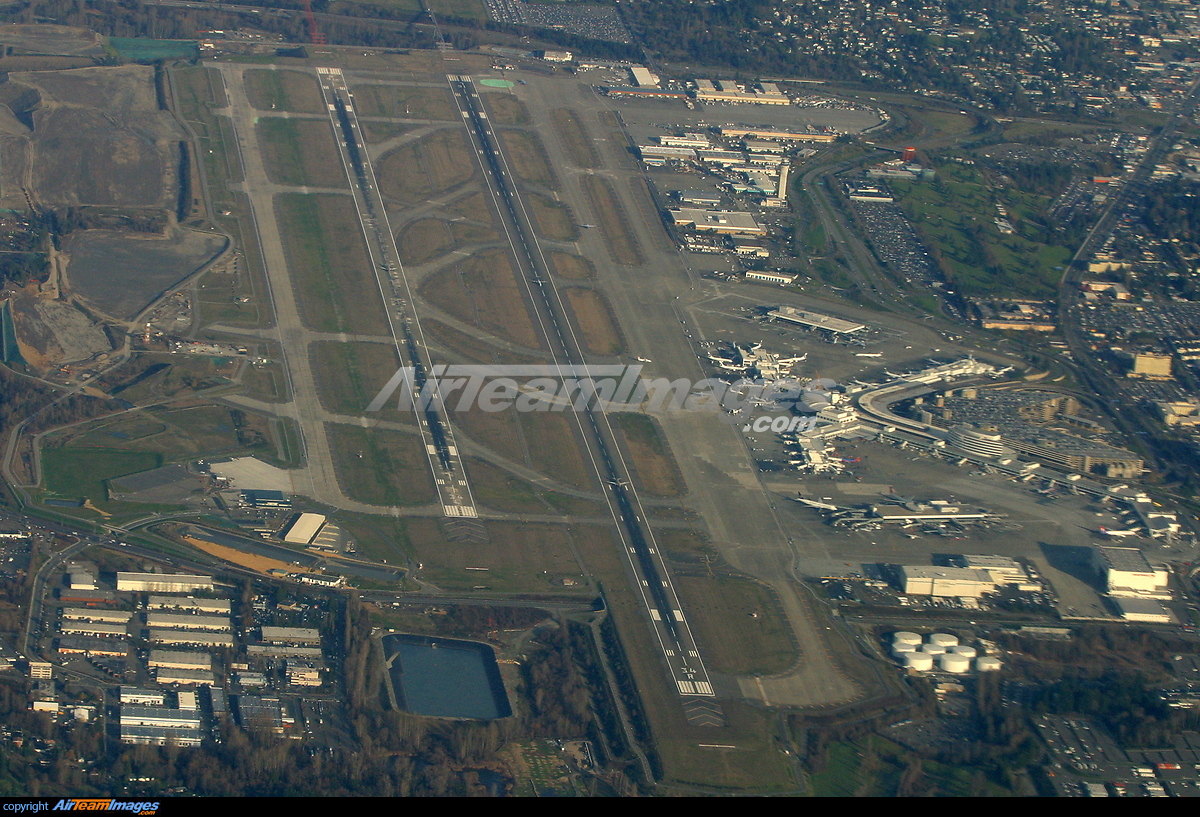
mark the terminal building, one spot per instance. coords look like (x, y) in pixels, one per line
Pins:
(933, 580)
(815, 320)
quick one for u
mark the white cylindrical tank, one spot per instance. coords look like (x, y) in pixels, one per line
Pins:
(906, 638)
(901, 650)
(986, 663)
(944, 640)
(965, 652)
(933, 649)
(919, 661)
(954, 663)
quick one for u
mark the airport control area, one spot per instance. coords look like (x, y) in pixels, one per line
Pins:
(517, 369)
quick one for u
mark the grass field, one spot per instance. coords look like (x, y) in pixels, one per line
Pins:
(552, 218)
(329, 266)
(505, 109)
(955, 213)
(381, 467)
(502, 491)
(300, 152)
(595, 320)
(349, 375)
(414, 172)
(655, 470)
(580, 148)
(554, 449)
(375, 132)
(405, 102)
(572, 267)
(520, 558)
(283, 91)
(464, 348)
(428, 238)
(483, 292)
(527, 156)
(84, 473)
(874, 766)
(622, 246)
(472, 207)
(739, 625)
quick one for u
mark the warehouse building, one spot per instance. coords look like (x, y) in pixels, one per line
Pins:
(189, 604)
(291, 635)
(141, 697)
(721, 222)
(1127, 573)
(1146, 610)
(173, 659)
(185, 677)
(159, 725)
(99, 647)
(100, 629)
(192, 638)
(184, 621)
(304, 528)
(933, 580)
(86, 614)
(162, 582)
(279, 651)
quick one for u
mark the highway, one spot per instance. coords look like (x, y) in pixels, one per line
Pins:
(674, 636)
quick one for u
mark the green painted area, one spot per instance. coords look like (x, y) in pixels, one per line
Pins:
(496, 83)
(84, 473)
(141, 49)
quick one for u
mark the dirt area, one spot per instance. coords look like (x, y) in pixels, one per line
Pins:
(52, 333)
(655, 470)
(622, 246)
(283, 91)
(505, 109)
(121, 273)
(405, 102)
(483, 292)
(595, 321)
(412, 173)
(89, 136)
(51, 39)
(553, 219)
(300, 152)
(249, 560)
(528, 157)
(573, 267)
(580, 148)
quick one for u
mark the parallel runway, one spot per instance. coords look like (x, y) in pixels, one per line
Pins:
(652, 580)
(437, 435)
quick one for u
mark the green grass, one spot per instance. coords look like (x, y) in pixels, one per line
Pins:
(84, 473)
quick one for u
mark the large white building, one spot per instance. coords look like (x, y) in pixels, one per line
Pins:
(162, 582)
(933, 580)
(189, 604)
(173, 659)
(304, 529)
(184, 621)
(1127, 573)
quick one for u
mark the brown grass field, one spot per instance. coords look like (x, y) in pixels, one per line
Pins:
(329, 266)
(595, 320)
(528, 157)
(552, 218)
(405, 102)
(300, 152)
(464, 348)
(483, 292)
(553, 447)
(505, 109)
(571, 130)
(291, 91)
(573, 267)
(655, 469)
(376, 132)
(379, 467)
(473, 207)
(622, 246)
(498, 489)
(498, 430)
(414, 172)
(425, 239)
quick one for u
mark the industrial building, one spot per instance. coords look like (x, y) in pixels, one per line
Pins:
(721, 222)
(933, 580)
(780, 278)
(191, 638)
(188, 677)
(184, 621)
(99, 647)
(1147, 610)
(302, 674)
(100, 629)
(171, 659)
(159, 725)
(780, 135)
(1127, 573)
(189, 604)
(304, 528)
(162, 582)
(255, 709)
(87, 614)
(291, 635)
(282, 651)
(814, 320)
(141, 697)
(1002, 569)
